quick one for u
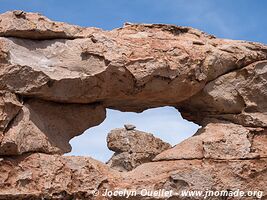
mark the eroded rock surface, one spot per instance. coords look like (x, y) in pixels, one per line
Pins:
(133, 148)
(220, 140)
(41, 176)
(56, 80)
(47, 127)
(239, 96)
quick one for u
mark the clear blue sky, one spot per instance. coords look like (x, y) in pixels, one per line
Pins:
(234, 19)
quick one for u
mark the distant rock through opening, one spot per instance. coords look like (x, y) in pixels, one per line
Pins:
(165, 123)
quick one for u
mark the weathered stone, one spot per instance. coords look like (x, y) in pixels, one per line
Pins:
(47, 127)
(35, 26)
(239, 96)
(198, 175)
(9, 108)
(132, 68)
(220, 140)
(41, 176)
(129, 127)
(57, 79)
(133, 148)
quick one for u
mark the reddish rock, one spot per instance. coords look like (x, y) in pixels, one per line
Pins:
(133, 148)
(220, 140)
(38, 176)
(47, 127)
(57, 79)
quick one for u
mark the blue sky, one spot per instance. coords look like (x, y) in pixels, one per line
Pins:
(234, 19)
(165, 123)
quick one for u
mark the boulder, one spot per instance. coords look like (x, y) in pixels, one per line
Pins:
(133, 148)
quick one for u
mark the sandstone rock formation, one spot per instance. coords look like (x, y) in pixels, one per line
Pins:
(133, 148)
(48, 127)
(220, 140)
(57, 79)
(238, 96)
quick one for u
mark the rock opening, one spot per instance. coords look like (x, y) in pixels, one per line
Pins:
(165, 123)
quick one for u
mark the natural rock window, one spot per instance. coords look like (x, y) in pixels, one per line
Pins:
(165, 123)
(57, 80)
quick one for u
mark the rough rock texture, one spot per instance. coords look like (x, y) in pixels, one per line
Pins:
(9, 108)
(129, 127)
(38, 176)
(35, 26)
(221, 140)
(48, 127)
(238, 96)
(42, 176)
(131, 68)
(57, 79)
(133, 148)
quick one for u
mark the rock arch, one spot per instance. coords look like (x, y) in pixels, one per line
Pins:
(57, 79)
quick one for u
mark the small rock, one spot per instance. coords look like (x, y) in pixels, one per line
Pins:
(19, 13)
(128, 24)
(129, 127)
